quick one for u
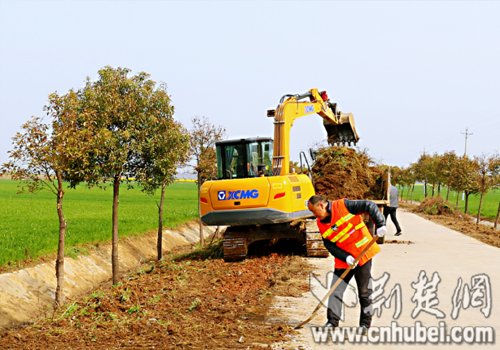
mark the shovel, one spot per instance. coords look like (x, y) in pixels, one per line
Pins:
(336, 284)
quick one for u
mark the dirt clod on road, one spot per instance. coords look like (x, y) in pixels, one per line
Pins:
(186, 303)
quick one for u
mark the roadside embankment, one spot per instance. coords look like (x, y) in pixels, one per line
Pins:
(28, 293)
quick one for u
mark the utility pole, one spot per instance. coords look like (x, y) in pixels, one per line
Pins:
(467, 134)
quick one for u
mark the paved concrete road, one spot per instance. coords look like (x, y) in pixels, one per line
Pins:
(440, 255)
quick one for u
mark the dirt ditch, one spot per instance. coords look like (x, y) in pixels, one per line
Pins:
(29, 292)
(185, 301)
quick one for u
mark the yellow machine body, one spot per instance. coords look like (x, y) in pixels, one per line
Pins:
(259, 200)
(252, 189)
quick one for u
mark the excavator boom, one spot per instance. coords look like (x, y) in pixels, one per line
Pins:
(339, 126)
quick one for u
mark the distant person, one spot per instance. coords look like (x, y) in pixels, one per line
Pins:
(345, 235)
(392, 208)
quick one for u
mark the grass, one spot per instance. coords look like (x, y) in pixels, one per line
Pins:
(29, 224)
(490, 201)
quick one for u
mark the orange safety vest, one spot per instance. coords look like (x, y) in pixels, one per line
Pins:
(349, 233)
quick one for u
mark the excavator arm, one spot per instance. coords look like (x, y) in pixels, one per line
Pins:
(339, 126)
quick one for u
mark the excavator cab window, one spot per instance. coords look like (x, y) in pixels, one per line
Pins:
(231, 161)
(259, 158)
(244, 158)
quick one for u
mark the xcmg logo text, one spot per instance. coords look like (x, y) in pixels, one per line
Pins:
(239, 194)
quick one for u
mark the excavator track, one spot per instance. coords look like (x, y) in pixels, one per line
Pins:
(237, 239)
(314, 241)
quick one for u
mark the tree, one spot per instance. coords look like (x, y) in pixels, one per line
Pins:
(447, 162)
(165, 152)
(464, 178)
(422, 169)
(433, 174)
(120, 112)
(404, 179)
(395, 174)
(43, 157)
(203, 137)
(407, 178)
(487, 177)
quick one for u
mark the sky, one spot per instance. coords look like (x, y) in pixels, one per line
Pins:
(416, 75)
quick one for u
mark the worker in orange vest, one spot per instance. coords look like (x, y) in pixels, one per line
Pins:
(345, 235)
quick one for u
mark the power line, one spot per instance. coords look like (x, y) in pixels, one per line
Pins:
(467, 134)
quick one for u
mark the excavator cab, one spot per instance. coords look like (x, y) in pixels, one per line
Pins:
(244, 158)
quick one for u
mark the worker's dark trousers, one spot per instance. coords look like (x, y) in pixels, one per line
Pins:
(392, 212)
(362, 274)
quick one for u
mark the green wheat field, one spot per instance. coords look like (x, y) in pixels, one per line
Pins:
(490, 201)
(29, 223)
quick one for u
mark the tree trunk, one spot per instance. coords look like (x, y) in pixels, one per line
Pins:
(439, 189)
(59, 299)
(433, 187)
(114, 247)
(498, 215)
(159, 242)
(412, 189)
(479, 208)
(466, 209)
(447, 192)
(456, 202)
(202, 239)
(425, 188)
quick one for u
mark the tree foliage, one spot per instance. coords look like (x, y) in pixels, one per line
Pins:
(127, 120)
(203, 136)
(488, 176)
(447, 162)
(464, 178)
(164, 153)
(43, 157)
(423, 170)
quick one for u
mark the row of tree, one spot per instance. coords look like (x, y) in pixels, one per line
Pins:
(107, 132)
(462, 174)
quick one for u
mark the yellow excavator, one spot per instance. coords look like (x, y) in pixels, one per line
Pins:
(256, 195)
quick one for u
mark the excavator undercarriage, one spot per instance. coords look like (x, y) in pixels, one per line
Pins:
(237, 239)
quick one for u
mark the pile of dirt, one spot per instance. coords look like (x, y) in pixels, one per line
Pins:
(185, 301)
(342, 172)
(436, 206)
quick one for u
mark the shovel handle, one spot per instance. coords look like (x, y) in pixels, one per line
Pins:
(336, 284)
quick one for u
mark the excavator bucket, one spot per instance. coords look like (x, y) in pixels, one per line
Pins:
(344, 133)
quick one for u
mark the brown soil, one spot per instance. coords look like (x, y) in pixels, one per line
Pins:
(342, 172)
(437, 210)
(189, 301)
